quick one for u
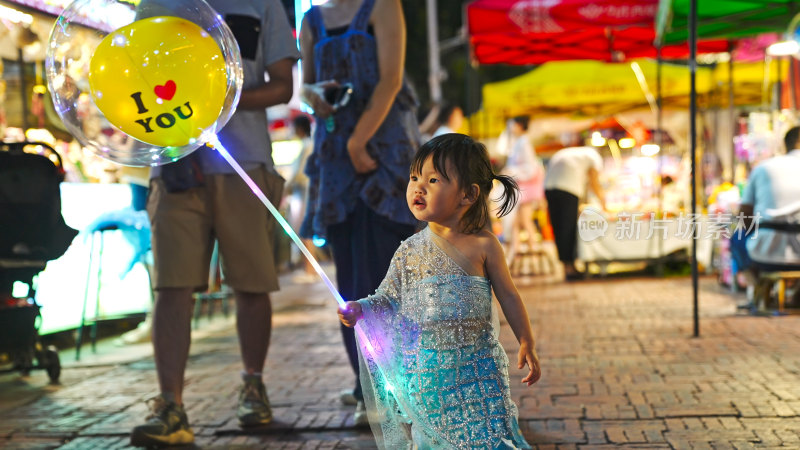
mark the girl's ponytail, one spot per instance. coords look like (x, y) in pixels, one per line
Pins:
(509, 196)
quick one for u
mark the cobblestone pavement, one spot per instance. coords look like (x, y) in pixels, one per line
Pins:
(620, 369)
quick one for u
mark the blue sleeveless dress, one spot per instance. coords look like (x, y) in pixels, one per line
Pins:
(433, 371)
(334, 186)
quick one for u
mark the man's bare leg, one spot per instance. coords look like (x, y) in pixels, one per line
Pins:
(167, 424)
(254, 324)
(172, 333)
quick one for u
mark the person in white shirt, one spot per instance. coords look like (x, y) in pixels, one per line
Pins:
(569, 172)
(772, 197)
(527, 170)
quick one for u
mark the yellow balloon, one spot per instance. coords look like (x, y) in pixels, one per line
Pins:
(161, 80)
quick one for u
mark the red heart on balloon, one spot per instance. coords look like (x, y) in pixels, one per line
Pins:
(167, 91)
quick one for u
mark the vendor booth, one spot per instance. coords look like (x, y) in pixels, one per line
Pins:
(573, 96)
(102, 275)
(756, 132)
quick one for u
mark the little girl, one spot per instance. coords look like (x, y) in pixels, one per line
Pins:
(437, 374)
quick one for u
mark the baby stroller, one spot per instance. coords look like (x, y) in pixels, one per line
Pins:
(32, 232)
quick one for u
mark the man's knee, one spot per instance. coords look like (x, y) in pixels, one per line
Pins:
(252, 297)
(173, 295)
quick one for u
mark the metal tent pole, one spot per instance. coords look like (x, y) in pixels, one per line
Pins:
(660, 154)
(731, 113)
(434, 72)
(693, 147)
(23, 87)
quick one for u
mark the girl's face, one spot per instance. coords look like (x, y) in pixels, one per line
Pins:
(433, 198)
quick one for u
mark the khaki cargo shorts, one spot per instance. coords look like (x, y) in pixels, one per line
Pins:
(185, 225)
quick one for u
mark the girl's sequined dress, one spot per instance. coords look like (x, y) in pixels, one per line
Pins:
(433, 371)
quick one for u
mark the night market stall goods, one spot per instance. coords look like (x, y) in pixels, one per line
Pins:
(680, 20)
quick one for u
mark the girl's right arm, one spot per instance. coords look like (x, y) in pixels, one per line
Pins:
(384, 303)
(350, 314)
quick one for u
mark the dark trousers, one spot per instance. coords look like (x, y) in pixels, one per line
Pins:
(563, 209)
(363, 246)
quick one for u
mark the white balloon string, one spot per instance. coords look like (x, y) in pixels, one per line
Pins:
(214, 143)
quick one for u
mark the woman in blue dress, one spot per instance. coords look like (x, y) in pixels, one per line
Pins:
(363, 144)
(433, 370)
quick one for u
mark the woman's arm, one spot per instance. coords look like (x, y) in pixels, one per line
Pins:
(390, 35)
(312, 92)
(513, 309)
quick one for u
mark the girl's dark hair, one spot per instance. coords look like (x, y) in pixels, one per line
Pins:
(471, 162)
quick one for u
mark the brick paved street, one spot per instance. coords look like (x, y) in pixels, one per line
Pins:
(620, 369)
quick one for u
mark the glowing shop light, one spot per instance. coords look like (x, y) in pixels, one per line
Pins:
(785, 48)
(286, 152)
(15, 16)
(650, 149)
(597, 139)
(627, 143)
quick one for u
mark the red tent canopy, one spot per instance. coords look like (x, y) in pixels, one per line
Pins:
(536, 31)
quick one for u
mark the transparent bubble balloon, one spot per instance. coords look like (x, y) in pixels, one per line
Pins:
(143, 85)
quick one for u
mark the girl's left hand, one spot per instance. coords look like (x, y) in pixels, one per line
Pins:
(527, 355)
(359, 156)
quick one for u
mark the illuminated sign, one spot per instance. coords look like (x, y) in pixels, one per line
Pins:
(95, 17)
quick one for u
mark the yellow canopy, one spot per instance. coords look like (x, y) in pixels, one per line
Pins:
(748, 81)
(588, 86)
(597, 89)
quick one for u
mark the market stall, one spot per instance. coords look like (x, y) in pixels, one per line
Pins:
(757, 133)
(94, 188)
(530, 32)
